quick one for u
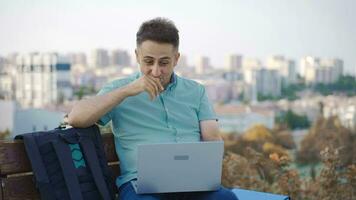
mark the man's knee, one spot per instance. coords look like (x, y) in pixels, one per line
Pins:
(127, 192)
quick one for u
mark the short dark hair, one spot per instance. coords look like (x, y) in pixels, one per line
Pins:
(160, 30)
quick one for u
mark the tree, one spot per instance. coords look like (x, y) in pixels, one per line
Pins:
(293, 120)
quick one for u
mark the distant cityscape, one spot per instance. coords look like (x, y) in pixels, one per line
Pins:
(37, 86)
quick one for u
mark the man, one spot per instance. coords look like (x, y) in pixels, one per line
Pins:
(152, 106)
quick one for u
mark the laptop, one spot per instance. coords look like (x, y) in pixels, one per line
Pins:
(179, 167)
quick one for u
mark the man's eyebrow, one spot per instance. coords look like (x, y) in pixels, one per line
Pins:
(163, 58)
(148, 57)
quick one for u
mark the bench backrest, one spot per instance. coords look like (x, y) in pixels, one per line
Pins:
(16, 173)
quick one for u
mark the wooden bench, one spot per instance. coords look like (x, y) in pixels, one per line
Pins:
(16, 174)
(17, 180)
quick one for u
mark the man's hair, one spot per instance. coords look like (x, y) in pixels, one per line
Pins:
(160, 30)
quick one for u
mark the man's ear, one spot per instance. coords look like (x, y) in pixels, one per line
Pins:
(176, 58)
(137, 58)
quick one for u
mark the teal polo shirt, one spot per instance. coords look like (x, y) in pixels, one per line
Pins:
(172, 117)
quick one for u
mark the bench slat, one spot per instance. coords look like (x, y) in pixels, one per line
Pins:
(13, 158)
(23, 188)
(18, 188)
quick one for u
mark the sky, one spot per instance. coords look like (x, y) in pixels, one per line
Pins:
(253, 28)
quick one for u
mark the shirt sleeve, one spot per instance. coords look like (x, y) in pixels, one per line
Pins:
(108, 116)
(206, 111)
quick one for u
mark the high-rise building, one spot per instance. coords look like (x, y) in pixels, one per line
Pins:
(11, 59)
(286, 68)
(6, 86)
(233, 62)
(120, 58)
(78, 59)
(251, 63)
(2, 63)
(7, 83)
(335, 66)
(266, 82)
(183, 67)
(202, 64)
(99, 58)
(316, 70)
(41, 80)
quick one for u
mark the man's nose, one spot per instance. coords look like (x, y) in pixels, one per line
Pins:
(156, 72)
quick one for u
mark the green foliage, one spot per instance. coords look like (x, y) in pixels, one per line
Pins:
(293, 120)
(261, 97)
(345, 84)
(290, 92)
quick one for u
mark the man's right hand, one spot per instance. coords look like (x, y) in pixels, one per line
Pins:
(148, 83)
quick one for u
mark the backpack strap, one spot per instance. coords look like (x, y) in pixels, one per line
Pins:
(70, 177)
(92, 160)
(39, 170)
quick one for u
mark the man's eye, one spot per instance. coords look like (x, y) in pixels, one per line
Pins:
(149, 62)
(164, 63)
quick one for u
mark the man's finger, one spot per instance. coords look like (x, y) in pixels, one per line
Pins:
(150, 88)
(154, 85)
(157, 82)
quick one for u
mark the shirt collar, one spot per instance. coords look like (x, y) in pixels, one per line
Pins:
(172, 82)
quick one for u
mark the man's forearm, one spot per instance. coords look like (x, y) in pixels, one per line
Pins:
(209, 130)
(88, 111)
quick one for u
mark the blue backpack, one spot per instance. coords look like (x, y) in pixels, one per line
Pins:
(69, 164)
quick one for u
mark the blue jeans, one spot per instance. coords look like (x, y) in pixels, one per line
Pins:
(127, 192)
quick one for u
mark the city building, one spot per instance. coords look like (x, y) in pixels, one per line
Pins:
(63, 82)
(285, 67)
(6, 86)
(99, 58)
(7, 83)
(251, 63)
(11, 59)
(41, 79)
(218, 90)
(2, 63)
(202, 65)
(239, 118)
(233, 63)
(316, 70)
(265, 82)
(120, 58)
(78, 59)
(182, 61)
(343, 108)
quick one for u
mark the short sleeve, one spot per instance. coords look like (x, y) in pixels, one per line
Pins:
(206, 111)
(108, 116)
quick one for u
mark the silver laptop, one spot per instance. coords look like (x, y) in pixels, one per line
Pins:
(179, 167)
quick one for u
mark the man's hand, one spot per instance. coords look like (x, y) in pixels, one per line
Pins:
(148, 83)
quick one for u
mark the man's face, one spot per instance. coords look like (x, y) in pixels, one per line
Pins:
(157, 59)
